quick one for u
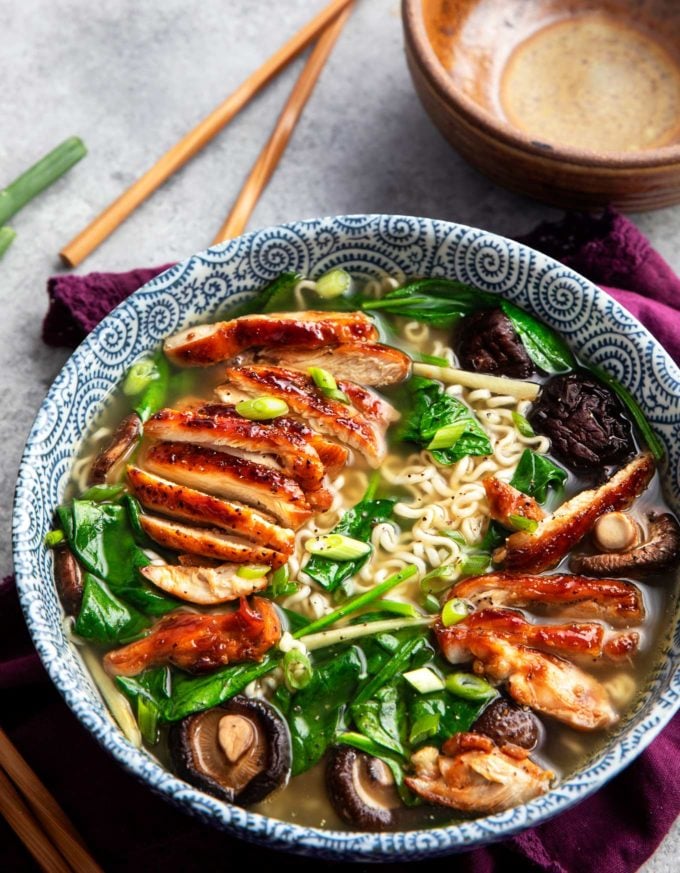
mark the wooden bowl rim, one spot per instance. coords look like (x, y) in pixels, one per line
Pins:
(416, 36)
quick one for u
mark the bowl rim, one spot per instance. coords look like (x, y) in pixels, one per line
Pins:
(418, 43)
(341, 845)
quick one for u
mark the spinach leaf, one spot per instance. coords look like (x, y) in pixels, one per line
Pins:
(358, 524)
(546, 348)
(388, 669)
(104, 618)
(156, 392)
(432, 409)
(317, 712)
(535, 474)
(275, 297)
(383, 719)
(436, 301)
(449, 714)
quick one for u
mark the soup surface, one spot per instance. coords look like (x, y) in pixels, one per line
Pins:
(369, 556)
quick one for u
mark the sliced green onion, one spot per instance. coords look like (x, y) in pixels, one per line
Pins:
(357, 603)
(138, 377)
(522, 425)
(423, 728)
(469, 687)
(454, 610)
(395, 303)
(334, 283)
(424, 680)
(430, 604)
(297, 670)
(338, 547)
(154, 396)
(53, 538)
(447, 436)
(437, 580)
(519, 522)
(456, 536)
(253, 571)
(97, 493)
(38, 177)
(280, 584)
(473, 565)
(147, 719)
(7, 237)
(326, 383)
(262, 408)
(434, 360)
(396, 607)
(338, 635)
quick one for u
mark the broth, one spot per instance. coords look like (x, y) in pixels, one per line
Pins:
(416, 538)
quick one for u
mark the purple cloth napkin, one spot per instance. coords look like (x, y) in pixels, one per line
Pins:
(614, 831)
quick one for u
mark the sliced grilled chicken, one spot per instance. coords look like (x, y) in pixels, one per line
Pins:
(612, 600)
(472, 774)
(219, 426)
(200, 643)
(178, 501)
(206, 586)
(543, 682)
(211, 343)
(376, 409)
(225, 475)
(504, 501)
(329, 416)
(366, 363)
(586, 641)
(559, 532)
(210, 542)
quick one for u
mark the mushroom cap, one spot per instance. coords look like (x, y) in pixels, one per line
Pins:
(361, 789)
(239, 752)
(506, 722)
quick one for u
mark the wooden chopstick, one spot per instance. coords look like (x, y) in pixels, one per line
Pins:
(98, 230)
(55, 824)
(270, 155)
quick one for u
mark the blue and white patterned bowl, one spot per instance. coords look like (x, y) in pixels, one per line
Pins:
(198, 290)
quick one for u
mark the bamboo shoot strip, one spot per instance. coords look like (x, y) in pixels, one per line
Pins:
(107, 221)
(357, 603)
(7, 236)
(270, 155)
(495, 384)
(38, 177)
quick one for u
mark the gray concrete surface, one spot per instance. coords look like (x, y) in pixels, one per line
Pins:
(130, 78)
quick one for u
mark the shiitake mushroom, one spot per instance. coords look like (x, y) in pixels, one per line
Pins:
(108, 464)
(487, 342)
(239, 752)
(362, 790)
(68, 575)
(505, 722)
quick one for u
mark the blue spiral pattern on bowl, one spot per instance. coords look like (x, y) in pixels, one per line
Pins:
(597, 328)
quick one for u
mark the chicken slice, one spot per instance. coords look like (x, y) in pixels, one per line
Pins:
(225, 475)
(589, 641)
(559, 532)
(211, 343)
(543, 682)
(332, 417)
(219, 426)
(504, 501)
(210, 542)
(205, 586)
(472, 774)
(199, 643)
(178, 501)
(365, 363)
(615, 601)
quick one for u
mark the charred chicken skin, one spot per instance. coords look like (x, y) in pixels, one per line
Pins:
(473, 774)
(558, 533)
(504, 501)
(612, 600)
(212, 343)
(200, 643)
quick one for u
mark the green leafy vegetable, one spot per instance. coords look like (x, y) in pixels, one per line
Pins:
(432, 410)
(358, 524)
(394, 666)
(655, 445)
(104, 618)
(278, 296)
(439, 302)
(535, 474)
(317, 713)
(99, 493)
(522, 425)
(546, 348)
(382, 719)
(154, 396)
(450, 714)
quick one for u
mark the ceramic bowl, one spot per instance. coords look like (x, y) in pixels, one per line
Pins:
(202, 288)
(483, 70)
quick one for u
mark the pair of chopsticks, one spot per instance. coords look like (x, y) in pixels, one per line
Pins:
(327, 26)
(37, 818)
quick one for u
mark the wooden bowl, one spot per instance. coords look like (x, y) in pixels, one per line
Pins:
(574, 102)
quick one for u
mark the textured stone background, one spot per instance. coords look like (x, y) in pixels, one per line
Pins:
(130, 78)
